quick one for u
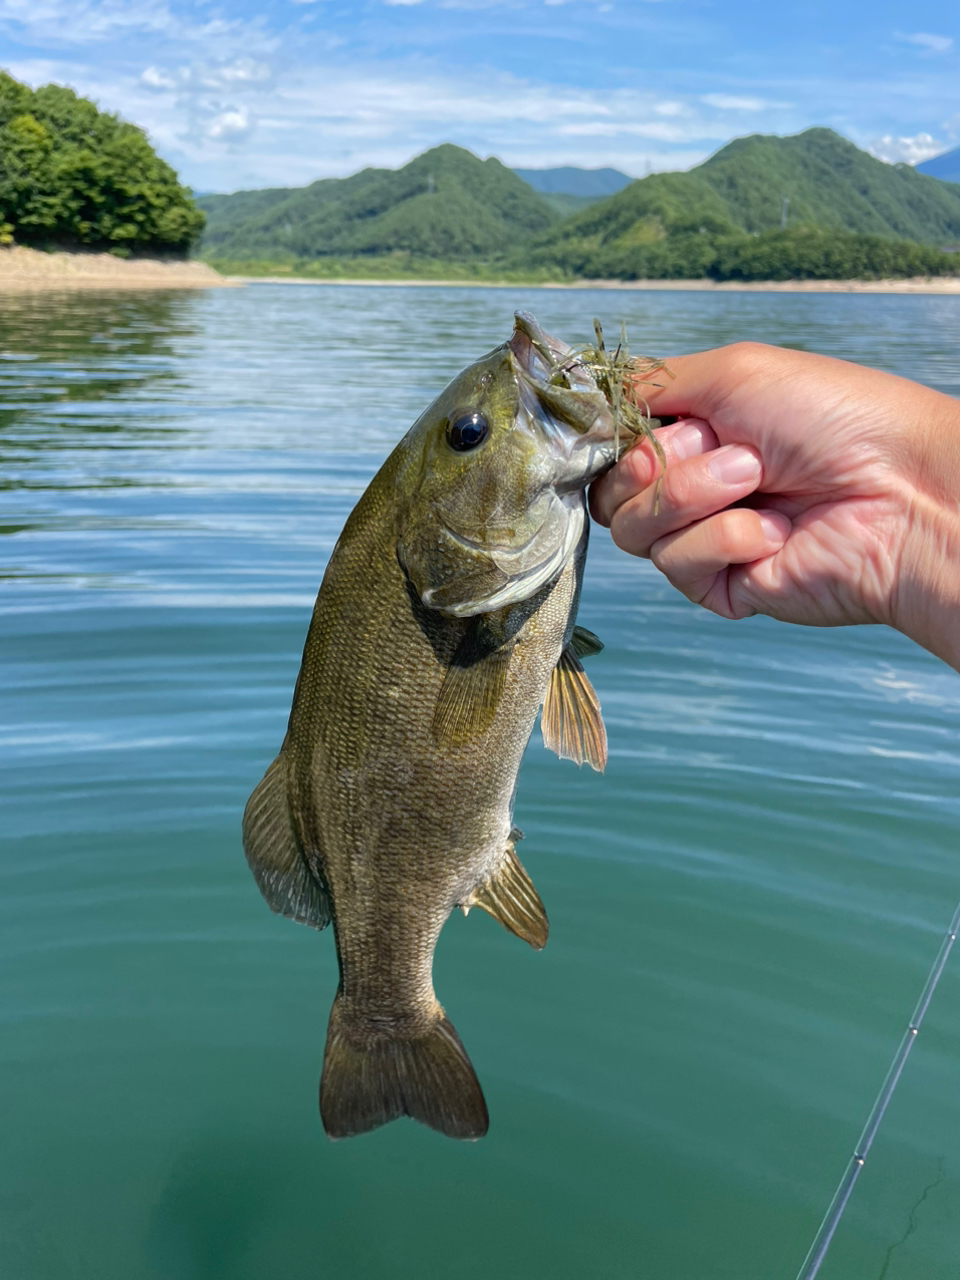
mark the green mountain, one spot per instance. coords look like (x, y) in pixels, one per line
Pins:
(946, 167)
(445, 204)
(829, 183)
(840, 206)
(591, 184)
(568, 190)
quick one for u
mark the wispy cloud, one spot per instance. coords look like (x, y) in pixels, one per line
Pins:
(254, 92)
(60, 24)
(731, 102)
(928, 41)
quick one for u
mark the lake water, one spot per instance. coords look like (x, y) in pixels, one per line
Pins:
(743, 909)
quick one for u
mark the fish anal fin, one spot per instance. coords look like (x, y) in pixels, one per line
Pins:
(571, 722)
(369, 1080)
(509, 896)
(472, 687)
(584, 643)
(278, 866)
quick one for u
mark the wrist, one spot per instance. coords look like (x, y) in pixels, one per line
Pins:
(926, 603)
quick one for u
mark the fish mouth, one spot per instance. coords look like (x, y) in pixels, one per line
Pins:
(544, 360)
(562, 404)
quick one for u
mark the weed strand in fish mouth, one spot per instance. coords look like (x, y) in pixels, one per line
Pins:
(619, 377)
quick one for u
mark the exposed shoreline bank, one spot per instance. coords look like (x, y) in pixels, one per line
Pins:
(25, 270)
(920, 285)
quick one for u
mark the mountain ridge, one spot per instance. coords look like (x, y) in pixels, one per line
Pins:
(808, 203)
(945, 166)
(443, 203)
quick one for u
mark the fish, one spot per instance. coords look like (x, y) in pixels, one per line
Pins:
(445, 621)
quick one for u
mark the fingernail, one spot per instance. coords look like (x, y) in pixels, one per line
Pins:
(773, 527)
(733, 464)
(686, 441)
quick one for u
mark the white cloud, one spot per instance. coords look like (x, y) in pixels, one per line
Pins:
(154, 78)
(62, 23)
(910, 150)
(932, 43)
(230, 126)
(206, 77)
(730, 102)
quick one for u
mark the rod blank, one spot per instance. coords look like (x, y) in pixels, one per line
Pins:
(821, 1243)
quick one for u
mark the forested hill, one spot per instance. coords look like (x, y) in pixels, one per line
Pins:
(829, 183)
(847, 214)
(73, 176)
(445, 204)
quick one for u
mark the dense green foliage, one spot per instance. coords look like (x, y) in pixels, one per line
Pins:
(72, 175)
(800, 253)
(445, 204)
(810, 253)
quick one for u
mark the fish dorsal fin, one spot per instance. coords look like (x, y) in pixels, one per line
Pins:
(585, 643)
(509, 896)
(571, 722)
(270, 844)
(472, 686)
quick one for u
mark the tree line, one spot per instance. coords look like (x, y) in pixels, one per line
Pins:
(72, 176)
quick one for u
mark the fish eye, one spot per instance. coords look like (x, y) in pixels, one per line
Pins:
(466, 431)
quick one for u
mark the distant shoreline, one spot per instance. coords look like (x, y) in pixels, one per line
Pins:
(25, 270)
(919, 285)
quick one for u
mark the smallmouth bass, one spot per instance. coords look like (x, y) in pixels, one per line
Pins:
(446, 618)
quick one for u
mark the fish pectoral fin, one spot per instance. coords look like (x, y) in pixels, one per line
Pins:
(571, 722)
(509, 896)
(472, 688)
(273, 853)
(584, 643)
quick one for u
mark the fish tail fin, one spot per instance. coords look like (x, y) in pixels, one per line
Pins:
(369, 1080)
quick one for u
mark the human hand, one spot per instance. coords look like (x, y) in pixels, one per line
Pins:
(851, 480)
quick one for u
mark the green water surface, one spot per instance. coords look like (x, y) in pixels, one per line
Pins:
(743, 909)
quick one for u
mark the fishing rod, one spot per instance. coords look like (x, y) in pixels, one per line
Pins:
(821, 1243)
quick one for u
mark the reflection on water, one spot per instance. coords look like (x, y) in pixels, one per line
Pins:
(742, 909)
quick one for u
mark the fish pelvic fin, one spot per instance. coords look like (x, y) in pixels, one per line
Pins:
(278, 866)
(585, 644)
(370, 1079)
(571, 722)
(509, 896)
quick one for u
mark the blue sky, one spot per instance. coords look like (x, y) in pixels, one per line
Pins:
(246, 94)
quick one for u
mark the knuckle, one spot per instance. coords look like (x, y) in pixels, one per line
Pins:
(744, 358)
(627, 532)
(737, 534)
(678, 488)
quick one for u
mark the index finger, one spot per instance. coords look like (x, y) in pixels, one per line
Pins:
(698, 385)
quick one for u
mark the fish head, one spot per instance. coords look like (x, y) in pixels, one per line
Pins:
(492, 476)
